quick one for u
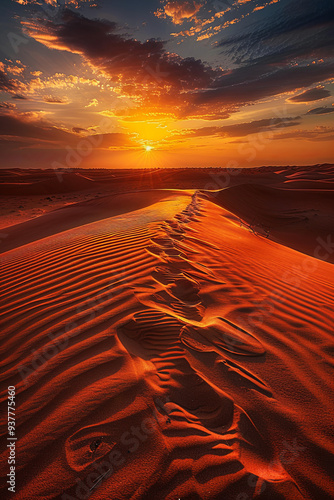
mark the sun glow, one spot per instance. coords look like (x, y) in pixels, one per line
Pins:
(148, 148)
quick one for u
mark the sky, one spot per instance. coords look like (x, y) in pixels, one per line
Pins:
(171, 83)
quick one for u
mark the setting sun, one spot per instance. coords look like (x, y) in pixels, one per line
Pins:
(148, 148)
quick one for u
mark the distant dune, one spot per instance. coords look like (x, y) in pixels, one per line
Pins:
(171, 342)
(296, 218)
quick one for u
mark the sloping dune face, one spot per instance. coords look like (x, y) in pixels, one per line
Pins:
(298, 218)
(168, 353)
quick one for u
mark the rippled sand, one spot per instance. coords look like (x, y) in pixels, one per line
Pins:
(174, 344)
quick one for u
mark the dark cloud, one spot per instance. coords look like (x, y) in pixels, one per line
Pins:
(6, 83)
(161, 79)
(20, 126)
(19, 97)
(254, 82)
(13, 144)
(29, 130)
(244, 129)
(320, 111)
(121, 57)
(72, 3)
(7, 105)
(296, 29)
(78, 130)
(311, 95)
(186, 87)
(317, 134)
(55, 100)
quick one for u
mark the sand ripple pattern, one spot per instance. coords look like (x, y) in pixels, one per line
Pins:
(140, 344)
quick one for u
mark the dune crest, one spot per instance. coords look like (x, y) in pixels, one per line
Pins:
(168, 352)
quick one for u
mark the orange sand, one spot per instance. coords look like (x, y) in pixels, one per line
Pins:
(172, 343)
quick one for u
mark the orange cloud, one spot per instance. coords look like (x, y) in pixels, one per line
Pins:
(59, 80)
(56, 100)
(94, 102)
(15, 70)
(179, 10)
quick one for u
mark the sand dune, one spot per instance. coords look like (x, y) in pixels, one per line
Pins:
(295, 218)
(162, 350)
(77, 215)
(63, 183)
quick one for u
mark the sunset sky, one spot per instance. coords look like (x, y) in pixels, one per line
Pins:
(133, 83)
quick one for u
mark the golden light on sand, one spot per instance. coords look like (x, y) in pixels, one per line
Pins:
(187, 279)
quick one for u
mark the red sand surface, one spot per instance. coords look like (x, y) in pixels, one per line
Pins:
(169, 336)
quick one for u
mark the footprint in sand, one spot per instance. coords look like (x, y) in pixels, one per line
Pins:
(85, 447)
(222, 336)
(150, 333)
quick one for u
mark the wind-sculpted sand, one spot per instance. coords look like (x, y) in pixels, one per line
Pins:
(170, 350)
